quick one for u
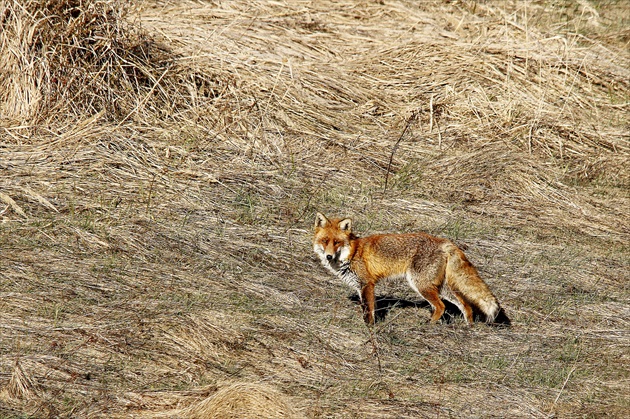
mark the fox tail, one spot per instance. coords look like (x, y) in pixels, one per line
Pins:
(465, 283)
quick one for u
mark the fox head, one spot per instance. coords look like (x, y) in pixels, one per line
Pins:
(332, 240)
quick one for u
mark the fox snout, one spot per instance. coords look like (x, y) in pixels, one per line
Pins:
(334, 260)
(329, 257)
(332, 257)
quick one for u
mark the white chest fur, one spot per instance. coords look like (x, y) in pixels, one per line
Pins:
(349, 277)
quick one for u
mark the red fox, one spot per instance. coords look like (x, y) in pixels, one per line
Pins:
(434, 267)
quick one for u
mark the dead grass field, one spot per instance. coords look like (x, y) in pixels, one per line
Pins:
(161, 165)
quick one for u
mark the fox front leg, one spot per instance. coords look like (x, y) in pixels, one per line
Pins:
(368, 302)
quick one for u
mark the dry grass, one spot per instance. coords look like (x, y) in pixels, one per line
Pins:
(242, 400)
(160, 166)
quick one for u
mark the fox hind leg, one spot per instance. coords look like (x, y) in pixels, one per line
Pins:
(432, 295)
(464, 307)
(425, 282)
(456, 297)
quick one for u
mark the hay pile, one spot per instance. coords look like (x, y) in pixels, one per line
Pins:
(74, 58)
(243, 400)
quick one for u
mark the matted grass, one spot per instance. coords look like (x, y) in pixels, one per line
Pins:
(161, 164)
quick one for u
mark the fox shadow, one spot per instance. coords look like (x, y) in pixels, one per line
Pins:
(384, 304)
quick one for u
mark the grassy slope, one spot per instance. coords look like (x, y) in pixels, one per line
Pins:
(152, 256)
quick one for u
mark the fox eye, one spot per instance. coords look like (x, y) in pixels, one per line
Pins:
(336, 242)
(324, 242)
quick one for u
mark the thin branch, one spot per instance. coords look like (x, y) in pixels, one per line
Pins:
(411, 118)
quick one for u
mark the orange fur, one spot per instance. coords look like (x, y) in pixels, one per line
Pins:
(434, 267)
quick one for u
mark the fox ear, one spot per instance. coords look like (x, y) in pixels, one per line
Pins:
(320, 220)
(345, 224)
